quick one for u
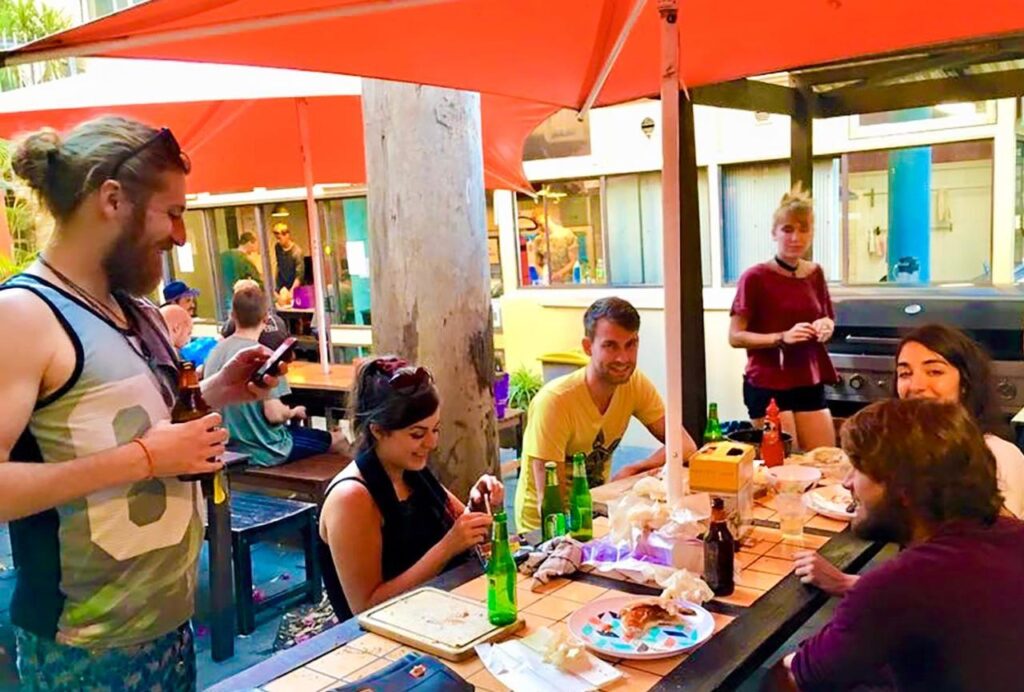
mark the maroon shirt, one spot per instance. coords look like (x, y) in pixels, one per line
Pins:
(773, 303)
(947, 614)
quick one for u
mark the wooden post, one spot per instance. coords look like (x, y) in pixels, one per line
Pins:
(692, 283)
(801, 135)
(429, 276)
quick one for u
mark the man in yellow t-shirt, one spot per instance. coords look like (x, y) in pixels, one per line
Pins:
(588, 411)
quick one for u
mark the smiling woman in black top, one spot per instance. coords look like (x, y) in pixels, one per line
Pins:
(393, 526)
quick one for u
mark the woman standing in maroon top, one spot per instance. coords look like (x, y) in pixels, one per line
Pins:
(783, 316)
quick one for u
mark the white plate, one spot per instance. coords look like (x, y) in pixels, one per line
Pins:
(830, 501)
(660, 641)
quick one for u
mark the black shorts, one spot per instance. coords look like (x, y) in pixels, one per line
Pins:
(797, 399)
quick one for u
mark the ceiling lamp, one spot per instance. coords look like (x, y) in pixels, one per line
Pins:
(280, 211)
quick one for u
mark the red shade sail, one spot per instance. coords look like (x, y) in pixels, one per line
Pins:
(237, 144)
(544, 50)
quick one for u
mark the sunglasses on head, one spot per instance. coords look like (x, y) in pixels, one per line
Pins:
(407, 381)
(165, 138)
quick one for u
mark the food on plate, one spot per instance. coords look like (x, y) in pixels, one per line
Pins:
(833, 500)
(831, 461)
(637, 616)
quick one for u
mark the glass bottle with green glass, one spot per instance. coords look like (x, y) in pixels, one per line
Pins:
(713, 430)
(501, 576)
(552, 511)
(581, 506)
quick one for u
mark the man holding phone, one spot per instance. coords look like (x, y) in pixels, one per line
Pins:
(105, 536)
(260, 428)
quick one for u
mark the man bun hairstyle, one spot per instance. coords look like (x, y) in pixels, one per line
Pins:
(64, 169)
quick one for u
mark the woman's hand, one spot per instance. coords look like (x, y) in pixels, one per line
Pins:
(824, 327)
(470, 529)
(815, 570)
(801, 331)
(491, 486)
(231, 385)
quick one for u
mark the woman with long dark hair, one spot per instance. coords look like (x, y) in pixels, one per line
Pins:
(387, 524)
(938, 362)
(935, 361)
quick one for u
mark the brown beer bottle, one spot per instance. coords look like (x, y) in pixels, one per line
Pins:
(719, 552)
(190, 404)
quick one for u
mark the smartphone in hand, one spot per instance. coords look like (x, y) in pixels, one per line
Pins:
(275, 360)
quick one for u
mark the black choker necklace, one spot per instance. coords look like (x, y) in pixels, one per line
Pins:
(786, 265)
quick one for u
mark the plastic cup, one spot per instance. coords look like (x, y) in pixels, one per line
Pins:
(792, 513)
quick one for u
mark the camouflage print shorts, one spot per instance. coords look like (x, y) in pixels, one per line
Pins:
(166, 664)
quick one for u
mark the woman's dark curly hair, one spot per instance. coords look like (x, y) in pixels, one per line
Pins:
(391, 394)
(930, 453)
(977, 384)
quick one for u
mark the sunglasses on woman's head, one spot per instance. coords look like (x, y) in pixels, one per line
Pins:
(407, 381)
(166, 138)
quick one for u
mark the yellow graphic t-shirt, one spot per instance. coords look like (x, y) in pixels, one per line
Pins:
(564, 420)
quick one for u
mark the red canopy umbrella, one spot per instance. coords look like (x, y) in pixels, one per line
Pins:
(237, 142)
(239, 124)
(545, 50)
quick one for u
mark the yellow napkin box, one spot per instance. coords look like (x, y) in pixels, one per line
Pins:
(721, 466)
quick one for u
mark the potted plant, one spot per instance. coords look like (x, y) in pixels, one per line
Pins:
(522, 387)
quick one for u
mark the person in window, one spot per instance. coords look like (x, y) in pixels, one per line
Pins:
(782, 315)
(939, 362)
(290, 259)
(387, 524)
(260, 428)
(180, 293)
(555, 247)
(588, 411)
(235, 263)
(946, 613)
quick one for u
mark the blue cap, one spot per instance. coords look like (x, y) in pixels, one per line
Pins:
(178, 289)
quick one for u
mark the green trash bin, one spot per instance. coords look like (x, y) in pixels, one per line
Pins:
(557, 364)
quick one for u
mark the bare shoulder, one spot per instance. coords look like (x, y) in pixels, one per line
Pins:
(349, 497)
(34, 319)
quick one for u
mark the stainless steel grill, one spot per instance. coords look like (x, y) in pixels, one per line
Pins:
(869, 327)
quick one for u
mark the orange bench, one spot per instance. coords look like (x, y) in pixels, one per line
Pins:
(307, 477)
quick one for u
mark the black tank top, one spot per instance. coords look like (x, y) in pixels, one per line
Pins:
(409, 528)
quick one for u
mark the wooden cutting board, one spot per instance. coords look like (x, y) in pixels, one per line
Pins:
(436, 622)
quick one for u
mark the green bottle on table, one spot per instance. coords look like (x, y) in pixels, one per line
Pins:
(501, 576)
(581, 507)
(552, 512)
(713, 430)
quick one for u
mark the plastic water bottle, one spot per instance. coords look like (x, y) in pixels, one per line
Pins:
(577, 273)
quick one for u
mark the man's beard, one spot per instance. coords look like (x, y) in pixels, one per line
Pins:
(888, 521)
(129, 264)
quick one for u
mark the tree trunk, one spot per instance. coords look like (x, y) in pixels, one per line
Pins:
(430, 277)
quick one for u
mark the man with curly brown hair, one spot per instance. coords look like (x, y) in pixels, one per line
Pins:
(946, 613)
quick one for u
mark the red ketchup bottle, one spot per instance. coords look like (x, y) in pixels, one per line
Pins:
(772, 450)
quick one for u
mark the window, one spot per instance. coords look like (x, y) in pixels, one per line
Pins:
(610, 226)
(750, 195)
(1018, 233)
(191, 263)
(944, 188)
(560, 234)
(561, 135)
(635, 236)
(346, 247)
(239, 250)
(494, 249)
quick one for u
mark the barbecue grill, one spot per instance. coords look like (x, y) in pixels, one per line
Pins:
(869, 326)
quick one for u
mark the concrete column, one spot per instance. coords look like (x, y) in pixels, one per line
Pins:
(910, 177)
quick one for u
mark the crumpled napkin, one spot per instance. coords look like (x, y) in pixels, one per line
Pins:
(558, 557)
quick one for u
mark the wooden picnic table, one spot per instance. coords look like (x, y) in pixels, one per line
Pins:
(321, 393)
(768, 606)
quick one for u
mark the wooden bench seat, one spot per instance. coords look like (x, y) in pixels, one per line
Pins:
(307, 477)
